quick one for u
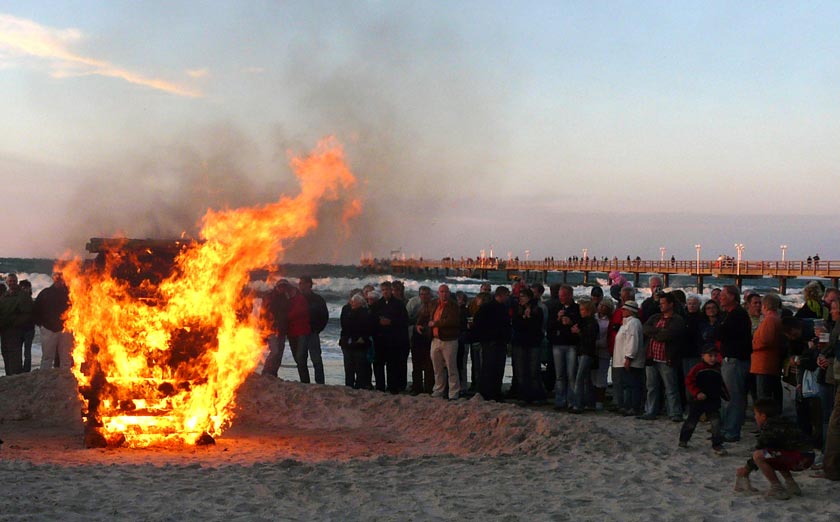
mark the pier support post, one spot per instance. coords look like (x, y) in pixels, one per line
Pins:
(636, 279)
(666, 280)
(565, 273)
(586, 277)
(699, 284)
(783, 285)
(739, 281)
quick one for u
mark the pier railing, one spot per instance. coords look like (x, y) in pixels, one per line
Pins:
(727, 268)
(722, 268)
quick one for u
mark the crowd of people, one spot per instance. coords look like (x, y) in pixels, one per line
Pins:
(20, 315)
(671, 355)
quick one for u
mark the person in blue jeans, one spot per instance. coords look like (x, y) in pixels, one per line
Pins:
(665, 332)
(734, 335)
(563, 314)
(587, 331)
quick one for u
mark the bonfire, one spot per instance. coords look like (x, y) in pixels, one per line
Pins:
(163, 329)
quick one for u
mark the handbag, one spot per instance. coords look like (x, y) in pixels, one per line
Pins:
(810, 388)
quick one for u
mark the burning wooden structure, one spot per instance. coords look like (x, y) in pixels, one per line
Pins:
(163, 330)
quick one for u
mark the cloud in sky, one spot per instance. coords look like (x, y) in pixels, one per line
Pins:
(27, 43)
(197, 73)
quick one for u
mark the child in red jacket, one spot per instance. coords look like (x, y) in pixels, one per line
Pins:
(705, 384)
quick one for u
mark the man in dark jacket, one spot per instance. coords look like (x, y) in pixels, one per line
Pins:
(390, 341)
(422, 372)
(48, 312)
(665, 332)
(735, 337)
(275, 309)
(318, 318)
(15, 310)
(563, 314)
(491, 328)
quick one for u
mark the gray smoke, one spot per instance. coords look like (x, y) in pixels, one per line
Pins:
(397, 94)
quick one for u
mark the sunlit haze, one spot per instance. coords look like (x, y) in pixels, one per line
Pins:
(619, 127)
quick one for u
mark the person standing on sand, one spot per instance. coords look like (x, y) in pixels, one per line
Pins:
(705, 391)
(587, 354)
(390, 333)
(48, 313)
(355, 342)
(630, 351)
(665, 332)
(445, 327)
(318, 318)
(299, 329)
(275, 310)
(422, 372)
(527, 337)
(563, 314)
(15, 310)
(491, 328)
(766, 357)
(733, 334)
(28, 329)
(626, 294)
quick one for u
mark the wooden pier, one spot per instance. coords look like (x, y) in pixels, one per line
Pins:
(727, 268)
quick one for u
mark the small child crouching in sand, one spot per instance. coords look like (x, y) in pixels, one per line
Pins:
(781, 446)
(705, 384)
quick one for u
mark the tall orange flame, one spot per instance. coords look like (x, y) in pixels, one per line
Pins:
(161, 361)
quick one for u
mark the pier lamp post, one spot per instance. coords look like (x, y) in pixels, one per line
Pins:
(661, 254)
(697, 248)
(527, 254)
(784, 249)
(585, 251)
(739, 247)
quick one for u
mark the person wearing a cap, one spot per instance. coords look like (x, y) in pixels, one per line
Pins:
(706, 389)
(626, 294)
(630, 349)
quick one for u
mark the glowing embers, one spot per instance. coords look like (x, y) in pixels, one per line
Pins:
(163, 332)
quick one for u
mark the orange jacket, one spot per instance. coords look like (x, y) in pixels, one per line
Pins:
(767, 345)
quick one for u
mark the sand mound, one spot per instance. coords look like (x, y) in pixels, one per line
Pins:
(415, 425)
(316, 423)
(47, 398)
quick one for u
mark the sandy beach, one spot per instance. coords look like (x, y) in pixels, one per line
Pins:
(316, 452)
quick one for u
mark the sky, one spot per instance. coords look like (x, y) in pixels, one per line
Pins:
(618, 127)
